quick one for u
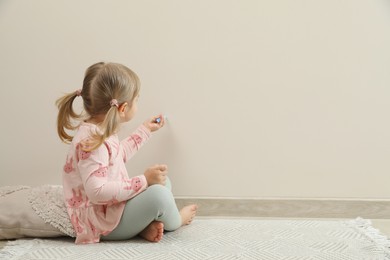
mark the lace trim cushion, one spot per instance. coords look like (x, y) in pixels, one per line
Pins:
(48, 203)
(17, 217)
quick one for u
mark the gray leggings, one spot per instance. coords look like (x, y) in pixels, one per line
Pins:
(156, 203)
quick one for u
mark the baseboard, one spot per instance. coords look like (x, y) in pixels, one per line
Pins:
(289, 208)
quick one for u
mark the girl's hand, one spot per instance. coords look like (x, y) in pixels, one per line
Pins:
(156, 174)
(155, 123)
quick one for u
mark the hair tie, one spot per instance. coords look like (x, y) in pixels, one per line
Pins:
(78, 92)
(114, 102)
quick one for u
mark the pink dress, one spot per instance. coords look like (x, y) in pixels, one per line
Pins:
(96, 184)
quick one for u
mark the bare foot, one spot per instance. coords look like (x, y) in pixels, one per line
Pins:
(188, 213)
(154, 232)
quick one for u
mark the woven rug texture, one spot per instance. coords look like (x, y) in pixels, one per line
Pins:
(226, 239)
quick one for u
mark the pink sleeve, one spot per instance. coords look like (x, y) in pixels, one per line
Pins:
(134, 142)
(101, 189)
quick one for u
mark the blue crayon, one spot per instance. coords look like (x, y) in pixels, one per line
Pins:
(158, 120)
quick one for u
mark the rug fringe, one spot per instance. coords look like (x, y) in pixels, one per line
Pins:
(365, 227)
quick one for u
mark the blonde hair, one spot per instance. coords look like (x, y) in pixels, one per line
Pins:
(103, 82)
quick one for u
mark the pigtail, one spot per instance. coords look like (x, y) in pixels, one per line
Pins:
(65, 116)
(108, 127)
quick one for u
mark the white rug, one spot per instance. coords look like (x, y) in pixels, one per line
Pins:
(226, 239)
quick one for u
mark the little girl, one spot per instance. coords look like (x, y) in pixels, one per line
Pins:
(102, 201)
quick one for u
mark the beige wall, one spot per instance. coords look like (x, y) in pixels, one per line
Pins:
(264, 98)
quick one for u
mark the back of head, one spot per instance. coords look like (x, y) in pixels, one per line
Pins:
(106, 81)
(103, 82)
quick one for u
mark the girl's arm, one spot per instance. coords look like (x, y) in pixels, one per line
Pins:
(137, 139)
(101, 189)
(134, 142)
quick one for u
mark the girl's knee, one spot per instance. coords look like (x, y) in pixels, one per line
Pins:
(160, 195)
(168, 184)
(158, 191)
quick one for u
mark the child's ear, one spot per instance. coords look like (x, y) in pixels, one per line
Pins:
(122, 109)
